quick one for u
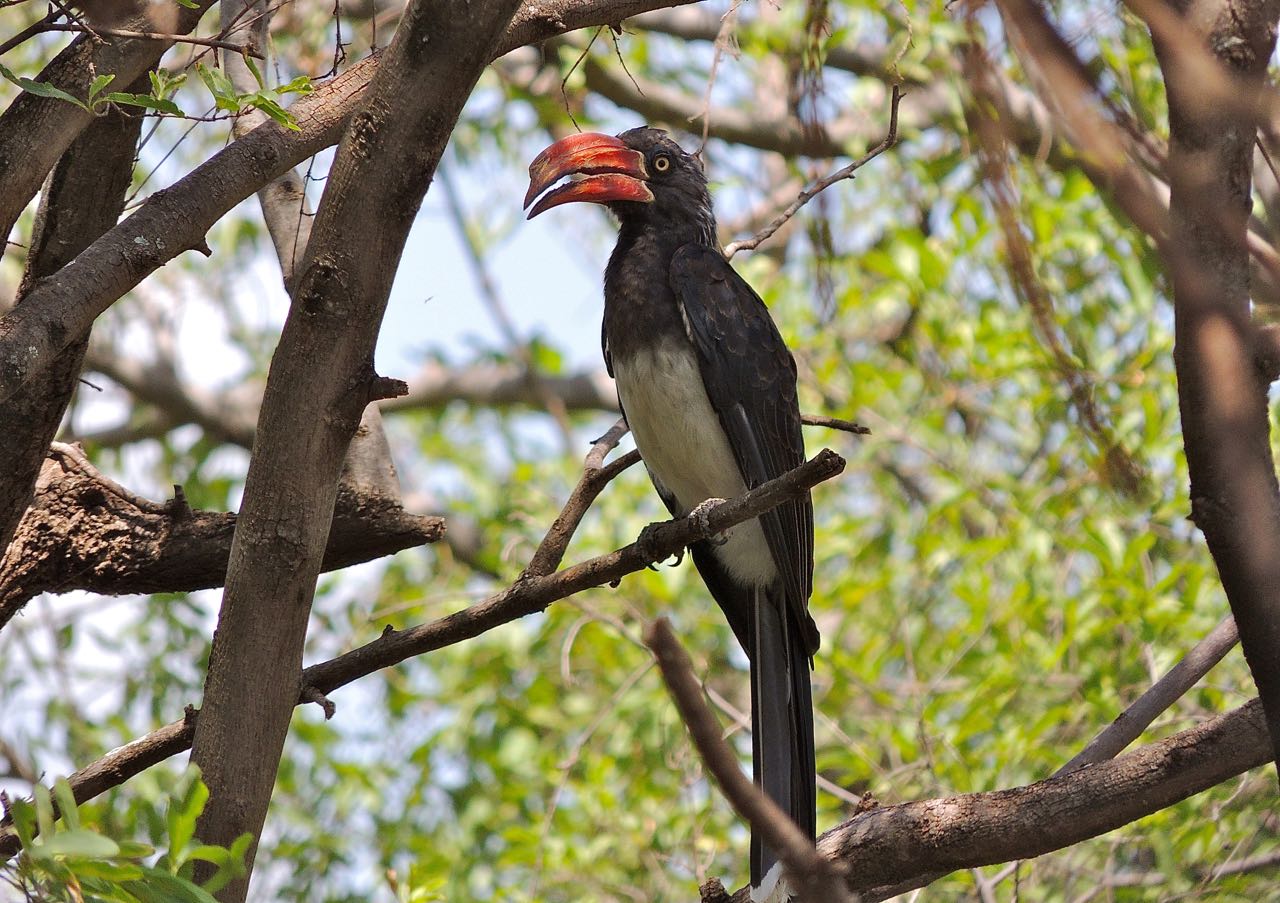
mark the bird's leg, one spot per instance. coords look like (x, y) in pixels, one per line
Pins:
(701, 515)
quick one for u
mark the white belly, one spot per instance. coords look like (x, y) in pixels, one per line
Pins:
(685, 448)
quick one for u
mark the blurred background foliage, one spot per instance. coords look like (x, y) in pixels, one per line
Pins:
(990, 593)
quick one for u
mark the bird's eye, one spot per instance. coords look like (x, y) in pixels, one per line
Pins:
(661, 163)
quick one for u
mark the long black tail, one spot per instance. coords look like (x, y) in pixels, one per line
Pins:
(781, 721)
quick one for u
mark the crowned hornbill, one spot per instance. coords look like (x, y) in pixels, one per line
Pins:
(709, 391)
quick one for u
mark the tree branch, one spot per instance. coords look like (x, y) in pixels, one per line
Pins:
(35, 131)
(662, 103)
(886, 846)
(811, 876)
(82, 199)
(595, 476)
(84, 531)
(176, 219)
(1235, 499)
(528, 595)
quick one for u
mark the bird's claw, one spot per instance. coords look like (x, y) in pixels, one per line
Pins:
(647, 548)
(701, 516)
(645, 541)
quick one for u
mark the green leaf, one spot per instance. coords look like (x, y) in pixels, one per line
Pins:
(275, 111)
(24, 820)
(160, 105)
(158, 886)
(181, 817)
(300, 85)
(77, 844)
(118, 872)
(66, 804)
(132, 849)
(257, 73)
(224, 93)
(41, 89)
(44, 810)
(97, 85)
(233, 867)
(164, 84)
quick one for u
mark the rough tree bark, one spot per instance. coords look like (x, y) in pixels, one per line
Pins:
(1222, 395)
(82, 199)
(321, 380)
(35, 131)
(86, 532)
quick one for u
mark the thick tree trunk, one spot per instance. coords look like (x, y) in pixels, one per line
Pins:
(321, 379)
(1222, 395)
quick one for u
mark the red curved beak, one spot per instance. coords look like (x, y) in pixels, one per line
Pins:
(611, 170)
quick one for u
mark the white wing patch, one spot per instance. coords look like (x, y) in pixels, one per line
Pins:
(685, 448)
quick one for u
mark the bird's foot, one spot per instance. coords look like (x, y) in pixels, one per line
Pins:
(701, 515)
(650, 551)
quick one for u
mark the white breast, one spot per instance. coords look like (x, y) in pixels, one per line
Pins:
(685, 448)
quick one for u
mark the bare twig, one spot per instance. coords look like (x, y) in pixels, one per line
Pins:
(38, 27)
(1252, 864)
(19, 765)
(835, 423)
(813, 877)
(1162, 694)
(890, 139)
(595, 476)
(156, 36)
(724, 38)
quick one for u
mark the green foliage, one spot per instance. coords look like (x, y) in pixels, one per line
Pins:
(225, 95)
(69, 859)
(989, 596)
(268, 100)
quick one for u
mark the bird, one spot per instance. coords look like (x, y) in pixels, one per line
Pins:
(708, 389)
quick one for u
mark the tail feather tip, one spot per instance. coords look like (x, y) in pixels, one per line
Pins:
(773, 887)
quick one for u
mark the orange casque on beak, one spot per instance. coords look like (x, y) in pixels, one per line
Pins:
(614, 172)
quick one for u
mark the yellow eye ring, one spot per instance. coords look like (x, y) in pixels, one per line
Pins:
(661, 163)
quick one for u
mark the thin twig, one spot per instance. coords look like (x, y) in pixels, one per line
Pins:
(158, 36)
(35, 28)
(595, 476)
(1162, 694)
(812, 876)
(84, 26)
(724, 35)
(835, 423)
(890, 139)
(1252, 864)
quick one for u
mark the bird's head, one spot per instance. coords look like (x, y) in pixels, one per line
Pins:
(641, 175)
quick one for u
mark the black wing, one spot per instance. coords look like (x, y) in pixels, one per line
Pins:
(750, 378)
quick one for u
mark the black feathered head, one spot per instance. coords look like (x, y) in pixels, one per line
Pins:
(643, 176)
